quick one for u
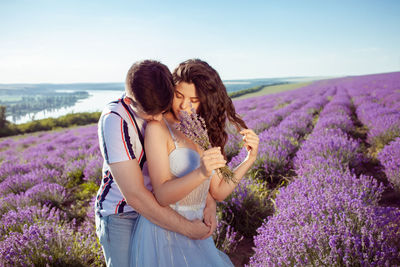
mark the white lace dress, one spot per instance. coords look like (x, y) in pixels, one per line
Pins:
(155, 246)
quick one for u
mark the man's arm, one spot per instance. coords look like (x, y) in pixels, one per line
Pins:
(129, 178)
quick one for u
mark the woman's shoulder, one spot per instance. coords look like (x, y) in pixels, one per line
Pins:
(156, 128)
(153, 124)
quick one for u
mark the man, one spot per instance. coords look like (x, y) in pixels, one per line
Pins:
(125, 191)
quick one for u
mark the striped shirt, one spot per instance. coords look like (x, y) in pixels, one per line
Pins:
(120, 134)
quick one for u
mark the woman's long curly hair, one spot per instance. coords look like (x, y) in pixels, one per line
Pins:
(215, 104)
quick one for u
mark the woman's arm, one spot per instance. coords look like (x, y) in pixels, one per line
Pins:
(129, 178)
(166, 188)
(220, 189)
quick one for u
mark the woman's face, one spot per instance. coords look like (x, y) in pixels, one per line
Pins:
(185, 98)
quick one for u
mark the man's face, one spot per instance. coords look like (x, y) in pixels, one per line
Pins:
(157, 117)
(142, 114)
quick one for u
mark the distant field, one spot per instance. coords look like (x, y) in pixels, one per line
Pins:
(274, 89)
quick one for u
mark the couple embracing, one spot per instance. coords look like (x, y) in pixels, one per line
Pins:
(156, 205)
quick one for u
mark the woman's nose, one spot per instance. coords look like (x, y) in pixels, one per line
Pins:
(185, 104)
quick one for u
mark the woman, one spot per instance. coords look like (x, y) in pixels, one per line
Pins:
(182, 173)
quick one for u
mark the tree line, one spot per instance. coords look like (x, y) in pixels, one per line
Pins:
(35, 103)
(73, 119)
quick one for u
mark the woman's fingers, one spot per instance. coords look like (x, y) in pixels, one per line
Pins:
(213, 154)
(247, 131)
(212, 159)
(251, 140)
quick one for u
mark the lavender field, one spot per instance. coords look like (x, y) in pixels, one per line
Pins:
(324, 191)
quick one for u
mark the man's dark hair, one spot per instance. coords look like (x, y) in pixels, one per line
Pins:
(152, 86)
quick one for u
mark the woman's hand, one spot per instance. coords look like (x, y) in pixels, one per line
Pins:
(251, 142)
(211, 159)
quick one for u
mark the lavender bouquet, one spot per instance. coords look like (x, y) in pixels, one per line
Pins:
(194, 127)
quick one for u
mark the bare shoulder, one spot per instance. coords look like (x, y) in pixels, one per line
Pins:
(153, 125)
(155, 129)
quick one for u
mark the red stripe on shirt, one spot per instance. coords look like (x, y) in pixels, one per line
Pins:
(104, 186)
(130, 117)
(119, 203)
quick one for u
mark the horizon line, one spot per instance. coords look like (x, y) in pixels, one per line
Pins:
(224, 80)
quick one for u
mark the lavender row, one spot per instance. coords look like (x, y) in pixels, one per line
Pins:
(384, 88)
(277, 144)
(390, 159)
(46, 181)
(378, 108)
(375, 109)
(262, 117)
(250, 202)
(328, 215)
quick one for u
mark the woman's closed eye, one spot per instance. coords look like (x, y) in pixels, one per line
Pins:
(193, 100)
(178, 95)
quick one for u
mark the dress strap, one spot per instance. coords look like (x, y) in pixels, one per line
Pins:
(172, 134)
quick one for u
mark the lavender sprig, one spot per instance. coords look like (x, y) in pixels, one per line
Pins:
(194, 127)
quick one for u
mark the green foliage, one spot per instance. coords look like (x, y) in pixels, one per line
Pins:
(252, 90)
(3, 120)
(38, 101)
(65, 246)
(86, 191)
(255, 206)
(246, 91)
(315, 120)
(80, 200)
(281, 105)
(73, 119)
(379, 142)
(74, 177)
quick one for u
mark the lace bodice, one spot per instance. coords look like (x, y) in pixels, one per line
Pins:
(183, 160)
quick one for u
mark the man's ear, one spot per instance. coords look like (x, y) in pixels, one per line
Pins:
(127, 101)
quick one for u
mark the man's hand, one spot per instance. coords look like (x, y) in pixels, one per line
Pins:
(198, 230)
(210, 214)
(210, 220)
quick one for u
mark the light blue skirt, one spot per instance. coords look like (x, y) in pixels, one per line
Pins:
(155, 246)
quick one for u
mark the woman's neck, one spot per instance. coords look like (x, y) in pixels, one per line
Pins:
(170, 117)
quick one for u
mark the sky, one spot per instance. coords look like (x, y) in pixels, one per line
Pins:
(97, 40)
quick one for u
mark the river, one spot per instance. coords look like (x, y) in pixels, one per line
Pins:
(99, 98)
(95, 102)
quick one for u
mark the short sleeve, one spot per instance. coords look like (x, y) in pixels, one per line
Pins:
(115, 137)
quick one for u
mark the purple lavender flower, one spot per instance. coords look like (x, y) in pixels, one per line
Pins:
(390, 159)
(225, 237)
(193, 126)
